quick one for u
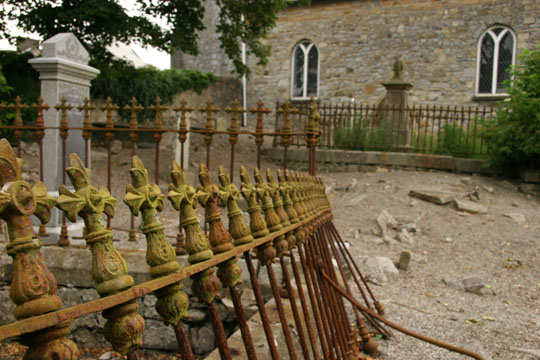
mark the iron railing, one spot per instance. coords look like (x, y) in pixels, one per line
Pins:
(297, 223)
(428, 129)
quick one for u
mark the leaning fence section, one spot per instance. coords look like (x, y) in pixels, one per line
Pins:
(290, 222)
(428, 129)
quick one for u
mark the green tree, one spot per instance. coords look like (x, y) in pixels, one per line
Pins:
(98, 23)
(513, 137)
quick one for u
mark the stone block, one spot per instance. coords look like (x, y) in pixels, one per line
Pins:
(470, 207)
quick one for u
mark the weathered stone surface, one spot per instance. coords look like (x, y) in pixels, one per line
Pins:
(517, 217)
(405, 237)
(384, 220)
(355, 200)
(379, 270)
(202, 339)
(6, 307)
(116, 146)
(471, 284)
(404, 260)
(410, 227)
(436, 197)
(470, 207)
(157, 335)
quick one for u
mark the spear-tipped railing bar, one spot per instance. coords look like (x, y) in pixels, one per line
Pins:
(330, 332)
(319, 256)
(133, 108)
(349, 336)
(33, 288)
(125, 326)
(286, 110)
(395, 326)
(265, 253)
(18, 122)
(285, 190)
(273, 220)
(229, 272)
(158, 109)
(209, 110)
(315, 299)
(87, 108)
(332, 313)
(369, 345)
(109, 107)
(376, 303)
(39, 135)
(63, 107)
(183, 197)
(290, 240)
(235, 110)
(147, 200)
(241, 235)
(260, 110)
(183, 109)
(354, 269)
(313, 134)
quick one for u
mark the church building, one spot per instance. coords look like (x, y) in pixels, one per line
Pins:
(454, 52)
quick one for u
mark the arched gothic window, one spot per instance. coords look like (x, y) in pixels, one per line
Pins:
(496, 53)
(305, 70)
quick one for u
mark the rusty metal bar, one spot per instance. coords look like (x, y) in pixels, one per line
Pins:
(397, 327)
(315, 306)
(221, 338)
(305, 309)
(51, 319)
(281, 312)
(260, 304)
(328, 308)
(63, 107)
(183, 342)
(242, 323)
(109, 107)
(336, 314)
(296, 316)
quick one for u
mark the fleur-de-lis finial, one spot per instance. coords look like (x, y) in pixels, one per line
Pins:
(125, 326)
(33, 287)
(237, 226)
(147, 199)
(141, 193)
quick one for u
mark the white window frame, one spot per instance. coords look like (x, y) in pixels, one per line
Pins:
(496, 39)
(306, 51)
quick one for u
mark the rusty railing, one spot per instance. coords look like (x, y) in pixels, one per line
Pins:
(289, 218)
(428, 129)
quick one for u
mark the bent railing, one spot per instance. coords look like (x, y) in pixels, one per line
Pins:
(289, 218)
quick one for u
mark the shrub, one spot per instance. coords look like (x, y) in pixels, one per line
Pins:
(513, 136)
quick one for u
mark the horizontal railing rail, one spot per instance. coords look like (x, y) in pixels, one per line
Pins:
(71, 313)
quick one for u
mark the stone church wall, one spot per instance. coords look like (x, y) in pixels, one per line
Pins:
(359, 40)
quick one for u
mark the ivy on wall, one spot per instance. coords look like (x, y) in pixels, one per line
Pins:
(122, 82)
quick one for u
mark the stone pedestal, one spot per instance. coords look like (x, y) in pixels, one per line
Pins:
(64, 72)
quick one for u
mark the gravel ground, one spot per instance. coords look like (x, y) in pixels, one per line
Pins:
(500, 251)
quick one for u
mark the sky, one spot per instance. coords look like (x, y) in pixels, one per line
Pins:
(149, 55)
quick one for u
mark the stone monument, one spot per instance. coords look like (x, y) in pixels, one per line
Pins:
(64, 73)
(393, 109)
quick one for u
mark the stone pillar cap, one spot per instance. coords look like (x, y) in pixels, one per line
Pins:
(65, 46)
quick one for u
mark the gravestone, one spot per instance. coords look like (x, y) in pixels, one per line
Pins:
(64, 73)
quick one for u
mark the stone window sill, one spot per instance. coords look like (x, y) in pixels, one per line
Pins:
(496, 97)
